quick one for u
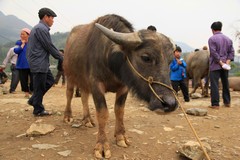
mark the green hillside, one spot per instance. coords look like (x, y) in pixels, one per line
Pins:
(9, 28)
(9, 32)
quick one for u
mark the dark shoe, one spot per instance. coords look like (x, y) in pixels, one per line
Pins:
(13, 92)
(43, 113)
(27, 96)
(214, 107)
(227, 105)
(187, 100)
(77, 94)
(30, 102)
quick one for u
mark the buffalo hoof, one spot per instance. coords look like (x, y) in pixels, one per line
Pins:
(68, 119)
(102, 151)
(122, 141)
(88, 122)
(206, 95)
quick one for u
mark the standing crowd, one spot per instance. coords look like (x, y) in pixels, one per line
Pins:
(30, 57)
(30, 63)
(221, 54)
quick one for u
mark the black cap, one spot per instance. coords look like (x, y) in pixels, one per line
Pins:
(152, 28)
(216, 26)
(46, 11)
(178, 49)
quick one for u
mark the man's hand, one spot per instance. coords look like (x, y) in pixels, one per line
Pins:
(23, 43)
(221, 63)
(228, 62)
(179, 61)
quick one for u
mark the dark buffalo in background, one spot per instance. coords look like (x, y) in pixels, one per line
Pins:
(96, 60)
(197, 69)
(234, 83)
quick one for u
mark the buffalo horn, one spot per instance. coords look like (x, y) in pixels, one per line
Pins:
(129, 39)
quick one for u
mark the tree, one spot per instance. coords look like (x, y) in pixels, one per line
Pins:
(236, 27)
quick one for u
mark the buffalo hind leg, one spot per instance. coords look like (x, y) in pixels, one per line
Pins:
(197, 83)
(68, 110)
(121, 97)
(202, 87)
(87, 119)
(206, 85)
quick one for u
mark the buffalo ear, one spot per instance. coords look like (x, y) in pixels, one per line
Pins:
(126, 39)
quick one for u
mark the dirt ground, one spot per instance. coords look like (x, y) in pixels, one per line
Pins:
(152, 136)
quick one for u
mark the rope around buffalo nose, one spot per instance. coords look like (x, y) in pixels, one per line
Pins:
(150, 82)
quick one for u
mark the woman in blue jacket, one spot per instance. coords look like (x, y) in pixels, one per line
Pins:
(22, 63)
(178, 74)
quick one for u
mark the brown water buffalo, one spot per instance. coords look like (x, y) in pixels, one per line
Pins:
(197, 69)
(116, 59)
(234, 83)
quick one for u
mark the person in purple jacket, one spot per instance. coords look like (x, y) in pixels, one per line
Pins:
(221, 54)
(22, 65)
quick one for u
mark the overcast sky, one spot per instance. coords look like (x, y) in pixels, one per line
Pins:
(187, 21)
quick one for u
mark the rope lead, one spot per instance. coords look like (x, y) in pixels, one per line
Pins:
(150, 82)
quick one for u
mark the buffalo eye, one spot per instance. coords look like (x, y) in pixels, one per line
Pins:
(146, 58)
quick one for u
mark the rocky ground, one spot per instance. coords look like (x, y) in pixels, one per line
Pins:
(152, 136)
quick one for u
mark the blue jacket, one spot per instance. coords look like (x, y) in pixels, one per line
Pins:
(22, 62)
(177, 72)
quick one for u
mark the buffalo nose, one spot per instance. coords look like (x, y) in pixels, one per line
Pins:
(170, 103)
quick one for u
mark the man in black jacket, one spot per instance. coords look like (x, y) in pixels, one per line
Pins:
(40, 47)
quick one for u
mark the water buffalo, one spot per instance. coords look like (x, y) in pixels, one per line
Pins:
(234, 83)
(116, 59)
(197, 69)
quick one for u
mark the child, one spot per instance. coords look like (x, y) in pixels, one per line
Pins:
(178, 74)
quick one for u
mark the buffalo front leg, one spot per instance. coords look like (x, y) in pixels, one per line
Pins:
(68, 110)
(121, 97)
(102, 148)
